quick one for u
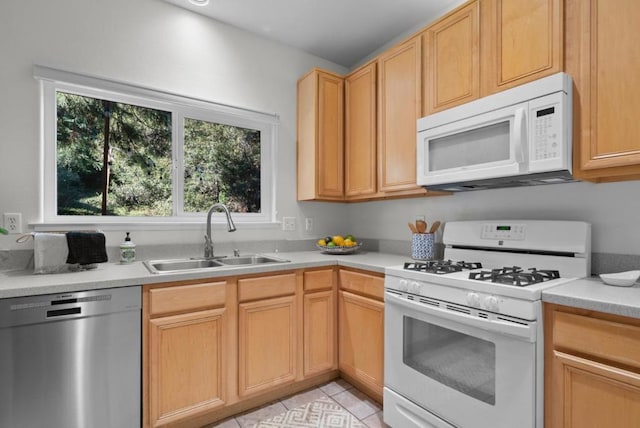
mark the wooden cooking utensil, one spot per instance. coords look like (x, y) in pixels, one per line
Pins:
(434, 227)
(421, 225)
(412, 227)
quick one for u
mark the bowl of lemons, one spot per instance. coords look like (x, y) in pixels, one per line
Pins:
(338, 244)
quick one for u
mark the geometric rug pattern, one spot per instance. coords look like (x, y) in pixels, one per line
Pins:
(320, 413)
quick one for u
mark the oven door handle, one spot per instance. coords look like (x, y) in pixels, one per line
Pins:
(525, 331)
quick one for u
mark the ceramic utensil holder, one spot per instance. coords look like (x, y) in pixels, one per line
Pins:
(422, 246)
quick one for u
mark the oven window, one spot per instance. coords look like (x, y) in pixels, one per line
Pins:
(457, 360)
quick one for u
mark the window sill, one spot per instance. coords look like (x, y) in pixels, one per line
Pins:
(148, 225)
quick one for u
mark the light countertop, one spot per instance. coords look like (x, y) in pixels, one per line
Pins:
(593, 294)
(587, 293)
(20, 283)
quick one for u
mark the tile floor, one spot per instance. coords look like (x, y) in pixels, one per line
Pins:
(358, 404)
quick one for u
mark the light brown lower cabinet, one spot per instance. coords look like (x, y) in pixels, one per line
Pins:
(267, 333)
(361, 331)
(592, 369)
(215, 348)
(320, 322)
(186, 353)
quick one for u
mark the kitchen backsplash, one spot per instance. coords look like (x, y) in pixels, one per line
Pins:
(23, 259)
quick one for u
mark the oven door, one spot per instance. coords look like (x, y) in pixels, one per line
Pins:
(467, 370)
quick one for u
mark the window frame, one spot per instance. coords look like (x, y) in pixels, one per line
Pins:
(180, 107)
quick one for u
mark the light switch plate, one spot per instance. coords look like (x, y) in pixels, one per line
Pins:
(288, 223)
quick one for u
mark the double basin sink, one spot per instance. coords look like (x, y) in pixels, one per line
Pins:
(196, 265)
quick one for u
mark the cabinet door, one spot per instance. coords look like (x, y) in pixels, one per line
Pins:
(595, 395)
(361, 339)
(400, 105)
(320, 332)
(360, 133)
(267, 344)
(187, 365)
(452, 60)
(603, 57)
(320, 136)
(521, 42)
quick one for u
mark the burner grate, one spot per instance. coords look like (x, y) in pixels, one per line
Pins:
(515, 275)
(441, 267)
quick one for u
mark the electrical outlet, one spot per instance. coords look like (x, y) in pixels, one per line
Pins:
(308, 224)
(13, 222)
(420, 217)
(288, 223)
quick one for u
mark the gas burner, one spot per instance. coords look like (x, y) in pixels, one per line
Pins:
(441, 267)
(515, 275)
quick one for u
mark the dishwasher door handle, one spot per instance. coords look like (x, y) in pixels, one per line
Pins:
(63, 312)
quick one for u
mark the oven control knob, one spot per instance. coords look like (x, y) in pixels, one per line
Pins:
(414, 287)
(403, 285)
(491, 303)
(473, 300)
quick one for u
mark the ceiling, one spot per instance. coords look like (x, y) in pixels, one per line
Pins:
(340, 31)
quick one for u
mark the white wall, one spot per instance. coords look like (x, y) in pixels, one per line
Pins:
(613, 209)
(153, 44)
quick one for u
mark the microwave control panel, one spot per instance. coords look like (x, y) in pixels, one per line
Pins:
(547, 133)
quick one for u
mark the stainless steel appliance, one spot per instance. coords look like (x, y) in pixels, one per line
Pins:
(521, 136)
(463, 336)
(71, 360)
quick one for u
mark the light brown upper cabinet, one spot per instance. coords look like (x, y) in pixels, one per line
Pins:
(320, 136)
(603, 57)
(521, 42)
(360, 133)
(399, 107)
(451, 60)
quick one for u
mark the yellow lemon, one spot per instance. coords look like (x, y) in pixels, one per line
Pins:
(322, 242)
(348, 243)
(338, 240)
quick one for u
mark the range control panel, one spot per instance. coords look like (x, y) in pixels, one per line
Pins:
(503, 231)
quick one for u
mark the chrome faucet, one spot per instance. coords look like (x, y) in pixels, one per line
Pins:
(208, 242)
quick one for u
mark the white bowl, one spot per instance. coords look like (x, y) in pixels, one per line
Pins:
(621, 279)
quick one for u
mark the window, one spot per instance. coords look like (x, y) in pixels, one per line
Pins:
(115, 153)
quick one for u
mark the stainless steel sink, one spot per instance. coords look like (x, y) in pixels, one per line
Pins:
(195, 265)
(180, 265)
(254, 259)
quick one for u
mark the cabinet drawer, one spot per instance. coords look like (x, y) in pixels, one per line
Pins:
(609, 340)
(266, 286)
(360, 283)
(186, 297)
(318, 280)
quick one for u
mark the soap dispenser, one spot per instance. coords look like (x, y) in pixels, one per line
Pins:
(127, 250)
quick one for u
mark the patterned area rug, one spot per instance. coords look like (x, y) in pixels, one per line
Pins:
(320, 413)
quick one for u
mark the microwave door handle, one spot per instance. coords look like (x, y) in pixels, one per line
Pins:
(520, 135)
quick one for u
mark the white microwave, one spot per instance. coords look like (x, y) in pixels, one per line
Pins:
(521, 136)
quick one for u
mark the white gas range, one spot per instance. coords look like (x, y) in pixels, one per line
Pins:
(463, 336)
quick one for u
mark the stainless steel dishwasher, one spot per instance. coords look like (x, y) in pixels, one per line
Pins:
(71, 360)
